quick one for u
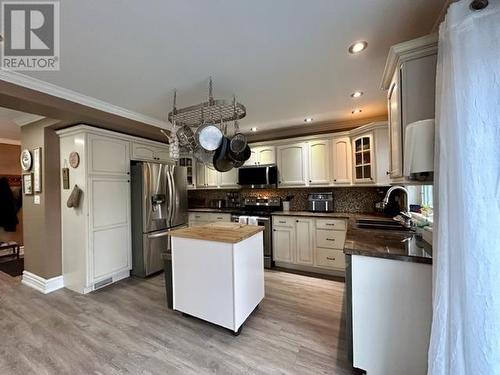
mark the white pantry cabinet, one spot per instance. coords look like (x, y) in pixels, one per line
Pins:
(262, 155)
(341, 160)
(292, 164)
(319, 162)
(96, 236)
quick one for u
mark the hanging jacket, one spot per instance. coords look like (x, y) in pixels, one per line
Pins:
(8, 211)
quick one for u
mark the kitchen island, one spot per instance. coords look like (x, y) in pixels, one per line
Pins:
(388, 300)
(218, 272)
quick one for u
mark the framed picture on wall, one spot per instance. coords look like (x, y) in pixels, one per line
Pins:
(37, 170)
(28, 184)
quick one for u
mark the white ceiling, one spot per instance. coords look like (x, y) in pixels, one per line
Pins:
(11, 122)
(284, 59)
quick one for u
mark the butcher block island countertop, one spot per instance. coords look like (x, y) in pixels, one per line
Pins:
(219, 232)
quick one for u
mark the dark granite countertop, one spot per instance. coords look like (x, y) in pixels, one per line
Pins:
(379, 243)
(215, 210)
(389, 244)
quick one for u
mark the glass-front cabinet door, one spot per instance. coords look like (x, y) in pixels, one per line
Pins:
(188, 162)
(363, 158)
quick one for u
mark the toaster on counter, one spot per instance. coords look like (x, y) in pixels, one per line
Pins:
(320, 202)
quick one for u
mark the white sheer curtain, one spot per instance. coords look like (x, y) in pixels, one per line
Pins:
(465, 337)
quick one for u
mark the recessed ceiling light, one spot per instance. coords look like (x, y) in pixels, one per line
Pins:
(308, 119)
(356, 94)
(357, 47)
(253, 129)
(357, 110)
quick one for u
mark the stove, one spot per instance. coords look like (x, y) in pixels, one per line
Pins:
(261, 208)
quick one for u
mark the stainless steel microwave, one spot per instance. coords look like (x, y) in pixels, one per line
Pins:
(261, 176)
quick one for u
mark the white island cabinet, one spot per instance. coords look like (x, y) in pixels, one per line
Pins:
(218, 272)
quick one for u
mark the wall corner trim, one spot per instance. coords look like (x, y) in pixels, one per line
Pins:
(42, 285)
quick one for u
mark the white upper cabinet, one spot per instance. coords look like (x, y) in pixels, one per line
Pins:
(208, 177)
(363, 158)
(341, 160)
(292, 164)
(262, 155)
(266, 155)
(410, 78)
(395, 138)
(108, 155)
(319, 162)
(228, 179)
(150, 152)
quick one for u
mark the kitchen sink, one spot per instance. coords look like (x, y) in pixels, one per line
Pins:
(386, 224)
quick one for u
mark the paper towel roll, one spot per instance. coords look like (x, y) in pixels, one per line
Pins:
(419, 147)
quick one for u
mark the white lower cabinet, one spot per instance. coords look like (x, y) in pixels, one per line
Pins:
(313, 244)
(283, 244)
(304, 238)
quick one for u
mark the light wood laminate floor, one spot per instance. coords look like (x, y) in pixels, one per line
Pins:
(127, 329)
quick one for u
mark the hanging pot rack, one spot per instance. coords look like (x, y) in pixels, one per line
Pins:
(211, 111)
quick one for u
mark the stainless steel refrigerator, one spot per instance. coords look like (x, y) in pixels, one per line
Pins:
(159, 204)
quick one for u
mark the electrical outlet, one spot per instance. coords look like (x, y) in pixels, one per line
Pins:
(36, 199)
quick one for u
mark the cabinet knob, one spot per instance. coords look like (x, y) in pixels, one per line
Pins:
(296, 221)
(274, 230)
(334, 180)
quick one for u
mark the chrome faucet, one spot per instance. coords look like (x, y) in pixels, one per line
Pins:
(405, 214)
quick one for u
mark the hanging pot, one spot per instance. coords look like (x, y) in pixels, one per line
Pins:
(241, 157)
(222, 161)
(209, 136)
(203, 156)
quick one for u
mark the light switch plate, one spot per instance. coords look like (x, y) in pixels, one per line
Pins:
(36, 199)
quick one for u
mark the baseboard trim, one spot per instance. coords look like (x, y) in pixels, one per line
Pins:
(42, 285)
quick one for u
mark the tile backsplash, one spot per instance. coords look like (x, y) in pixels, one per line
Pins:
(346, 199)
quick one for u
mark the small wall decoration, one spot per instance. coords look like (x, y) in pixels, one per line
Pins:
(74, 159)
(65, 175)
(37, 170)
(26, 160)
(28, 184)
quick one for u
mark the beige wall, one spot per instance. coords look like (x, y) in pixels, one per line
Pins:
(9, 166)
(42, 223)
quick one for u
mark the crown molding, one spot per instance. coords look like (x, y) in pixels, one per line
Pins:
(411, 49)
(8, 141)
(73, 96)
(313, 129)
(27, 118)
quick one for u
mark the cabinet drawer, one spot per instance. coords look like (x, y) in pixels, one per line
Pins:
(338, 224)
(199, 216)
(331, 239)
(330, 258)
(220, 217)
(284, 220)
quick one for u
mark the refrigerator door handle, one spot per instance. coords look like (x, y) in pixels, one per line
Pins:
(158, 235)
(171, 191)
